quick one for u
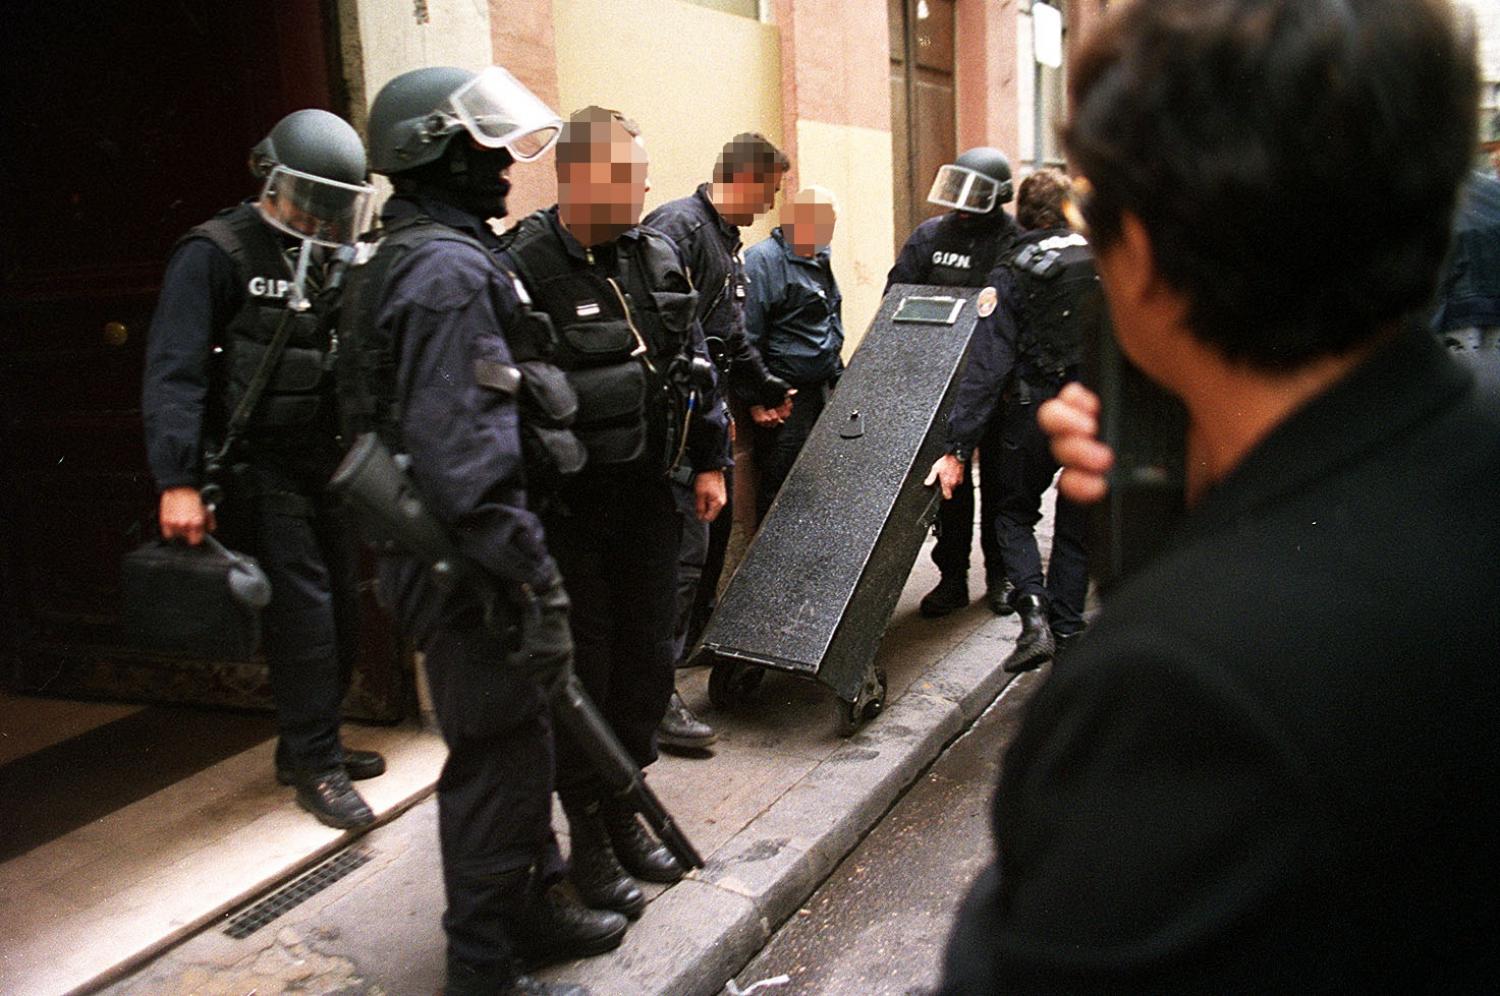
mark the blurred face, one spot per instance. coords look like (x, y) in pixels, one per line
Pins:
(745, 197)
(807, 222)
(606, 192)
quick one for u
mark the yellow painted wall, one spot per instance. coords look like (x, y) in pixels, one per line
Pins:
(690, 76)
(855, 163)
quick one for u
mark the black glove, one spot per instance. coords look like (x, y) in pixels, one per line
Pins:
(546, 643)
(773, 391)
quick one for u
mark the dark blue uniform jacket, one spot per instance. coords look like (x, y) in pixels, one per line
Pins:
(711, 247)
(446, 304)
(993, 356)
(200, 294)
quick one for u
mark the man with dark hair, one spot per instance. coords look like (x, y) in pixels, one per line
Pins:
(629, 341)
(959, 249)
(705, 225)
(1269, 765)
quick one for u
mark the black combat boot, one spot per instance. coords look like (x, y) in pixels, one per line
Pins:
(1001, 597)
(1065, 642)
(950, 595)
(360, 764)
(642, 856)
(469, 980)
(330, 797)
(1034, 647)
(680, 728)
(596, 874)
(553, 928)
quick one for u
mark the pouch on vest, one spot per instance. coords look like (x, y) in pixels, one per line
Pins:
(599, 342)
(676, 309)
(290, 399)
(548, 407)
(611, 418)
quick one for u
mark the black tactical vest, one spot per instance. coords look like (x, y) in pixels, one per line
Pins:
(619, 330)
(964, 252)
(299, 396)
(368, 356)
(1055, 270)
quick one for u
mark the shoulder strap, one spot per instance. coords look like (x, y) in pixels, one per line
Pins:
(236, 231)
(257, 386)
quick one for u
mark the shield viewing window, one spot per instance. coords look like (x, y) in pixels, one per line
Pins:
(929, 310)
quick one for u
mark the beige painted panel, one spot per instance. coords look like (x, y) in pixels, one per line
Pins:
(393, 40)
(690, 76)
(385, 38)
(855, 163)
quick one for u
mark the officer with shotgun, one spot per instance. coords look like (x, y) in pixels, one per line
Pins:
(443, 362)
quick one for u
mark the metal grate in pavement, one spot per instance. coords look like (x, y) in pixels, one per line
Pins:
(290, 895)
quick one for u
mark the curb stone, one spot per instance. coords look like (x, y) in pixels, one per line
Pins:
(700, 932)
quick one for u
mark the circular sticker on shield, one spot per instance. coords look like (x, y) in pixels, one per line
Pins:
(986, 302)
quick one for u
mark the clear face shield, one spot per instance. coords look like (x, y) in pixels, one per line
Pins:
(314, 208)
(964, 190)
(498, 111)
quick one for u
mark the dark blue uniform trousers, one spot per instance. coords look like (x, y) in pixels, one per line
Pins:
(777, 447)
(615, 537)
(955, 521)
(310, 630)
(1026, 469)
(495, 790)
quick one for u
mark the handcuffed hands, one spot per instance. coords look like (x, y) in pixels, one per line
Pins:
(770, 418)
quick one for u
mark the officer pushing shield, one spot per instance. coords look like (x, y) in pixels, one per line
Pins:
(959, 249)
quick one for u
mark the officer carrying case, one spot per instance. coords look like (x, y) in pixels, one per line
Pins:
(197, 601)
(819, 582)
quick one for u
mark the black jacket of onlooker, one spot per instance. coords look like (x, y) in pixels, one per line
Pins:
(1270, 766)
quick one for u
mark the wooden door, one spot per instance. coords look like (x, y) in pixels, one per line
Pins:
(923, 104)
(125, 124)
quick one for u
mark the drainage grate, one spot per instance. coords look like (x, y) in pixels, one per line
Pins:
(288, 896)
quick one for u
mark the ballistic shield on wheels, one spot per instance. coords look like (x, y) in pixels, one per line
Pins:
(819, 582)
(393, 515)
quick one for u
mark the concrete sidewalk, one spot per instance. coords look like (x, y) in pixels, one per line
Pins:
(696, 935)
(783, 799)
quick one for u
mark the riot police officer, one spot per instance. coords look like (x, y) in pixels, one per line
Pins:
(437, 356)
(623, 306)
(960, 249)
(706, 227)
(254, 461)
(1467, 317)
(1041, 304)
